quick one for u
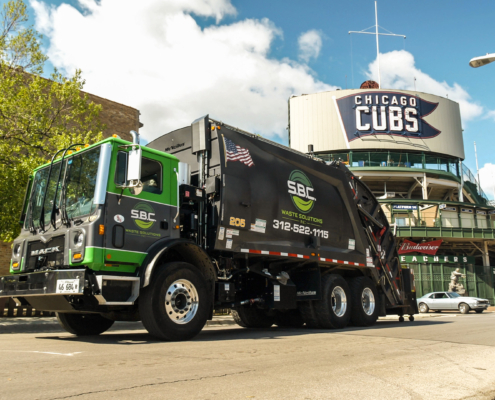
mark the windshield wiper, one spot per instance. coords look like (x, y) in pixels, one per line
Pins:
(42, 212)
(54, 207)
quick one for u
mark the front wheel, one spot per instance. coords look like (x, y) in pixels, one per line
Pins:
(84, 324)
(464, 308)
(176, 304)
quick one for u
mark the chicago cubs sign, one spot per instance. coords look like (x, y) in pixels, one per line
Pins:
(386, 113)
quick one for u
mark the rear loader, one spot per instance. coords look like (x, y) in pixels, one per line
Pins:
(206, 217)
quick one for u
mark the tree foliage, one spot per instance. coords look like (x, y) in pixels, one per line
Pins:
(37, 115)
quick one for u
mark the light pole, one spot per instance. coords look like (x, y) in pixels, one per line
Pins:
(482, 60)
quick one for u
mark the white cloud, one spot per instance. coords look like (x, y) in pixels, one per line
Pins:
(487, 179)
(398, 70)
(309, 45)
(153, 55)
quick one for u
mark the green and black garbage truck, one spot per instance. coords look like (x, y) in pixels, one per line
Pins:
(204, 218)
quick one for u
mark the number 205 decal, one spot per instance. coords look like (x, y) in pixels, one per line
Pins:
(237, 222)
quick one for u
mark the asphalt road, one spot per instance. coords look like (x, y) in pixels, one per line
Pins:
(447, 357)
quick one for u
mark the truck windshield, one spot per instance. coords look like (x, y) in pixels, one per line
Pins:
(76, 192)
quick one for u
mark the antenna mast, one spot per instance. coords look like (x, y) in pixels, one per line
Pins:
(377, 41)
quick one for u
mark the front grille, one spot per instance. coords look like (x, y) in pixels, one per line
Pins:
(45, 255)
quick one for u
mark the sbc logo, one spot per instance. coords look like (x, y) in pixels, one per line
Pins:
(301, 191)
(143, 215)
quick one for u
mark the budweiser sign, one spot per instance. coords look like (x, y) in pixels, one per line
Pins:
(426, 248)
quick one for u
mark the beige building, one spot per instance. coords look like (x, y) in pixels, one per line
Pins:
(119, 119)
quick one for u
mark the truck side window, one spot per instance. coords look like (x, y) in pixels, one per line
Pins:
(151, 176)
(151, 173)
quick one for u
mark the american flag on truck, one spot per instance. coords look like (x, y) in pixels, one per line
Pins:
(235, 152)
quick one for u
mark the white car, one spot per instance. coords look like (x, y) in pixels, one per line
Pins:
(451, 301)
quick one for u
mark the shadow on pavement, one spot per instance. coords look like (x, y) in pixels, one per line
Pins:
(233, 333)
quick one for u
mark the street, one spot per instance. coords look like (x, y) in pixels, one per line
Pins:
(446, 356)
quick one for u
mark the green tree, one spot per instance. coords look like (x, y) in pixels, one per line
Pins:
(37, 115)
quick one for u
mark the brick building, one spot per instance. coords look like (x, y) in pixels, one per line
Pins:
(119, 119)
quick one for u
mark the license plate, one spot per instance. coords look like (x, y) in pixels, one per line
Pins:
(68, 286)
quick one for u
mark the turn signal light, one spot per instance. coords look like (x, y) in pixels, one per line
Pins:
(15, 265)
(69, 152)
(78, 148)
(116, 136)
(101, 230)
(176, 226)
(77, 256)
(86, 145)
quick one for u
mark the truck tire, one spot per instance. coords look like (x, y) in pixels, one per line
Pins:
(176, 304)
(252, 317)
(289, 319)
(308, 314)
(334, 309)
(364, 296)
(84, 324)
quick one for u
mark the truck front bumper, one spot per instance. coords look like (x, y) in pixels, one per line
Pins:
(70, 290)
(58, 282)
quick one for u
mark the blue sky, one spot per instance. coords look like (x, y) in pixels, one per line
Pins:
(263, 37)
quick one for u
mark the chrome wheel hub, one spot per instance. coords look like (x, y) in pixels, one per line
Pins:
(368, 301)
(339, 301)
(181, 301)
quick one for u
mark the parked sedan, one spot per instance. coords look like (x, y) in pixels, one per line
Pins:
(451, 301)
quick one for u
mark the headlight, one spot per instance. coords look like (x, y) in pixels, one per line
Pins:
(17, 250)
(78, 239)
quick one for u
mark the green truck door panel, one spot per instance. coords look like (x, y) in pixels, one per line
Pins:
(132, 226)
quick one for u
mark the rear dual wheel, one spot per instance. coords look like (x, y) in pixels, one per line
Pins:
(252, 317)
(342, 303)
(364, 298)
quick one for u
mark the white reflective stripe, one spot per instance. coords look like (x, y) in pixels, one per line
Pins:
(322, 259)
(300, 256)
(284, 254)
(346, 262)
(102, 174)
(334, 261)
(106, 248)
(244, 250)
(148, 201)
(265, 252)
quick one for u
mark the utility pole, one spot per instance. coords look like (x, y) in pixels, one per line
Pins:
(377, 41)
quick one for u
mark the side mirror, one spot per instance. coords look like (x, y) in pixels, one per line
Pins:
(134, 167)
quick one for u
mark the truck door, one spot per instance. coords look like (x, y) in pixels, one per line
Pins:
(135, 222)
